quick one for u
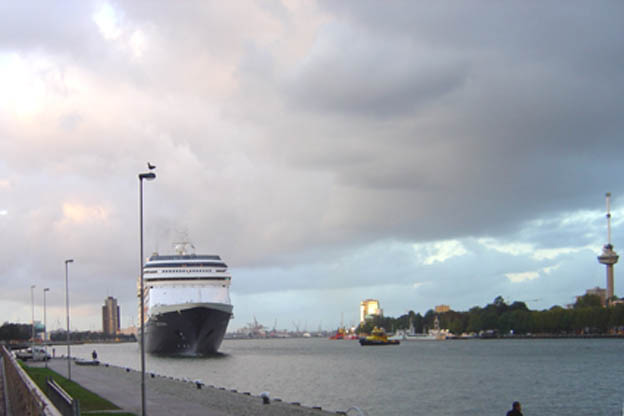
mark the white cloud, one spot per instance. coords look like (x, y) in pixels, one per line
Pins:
(553, 253)
(550, 269)
(439, 251)
(81, 213)
(515, 249)
(521, 277)
(529, 250)
(23, 90)
(531, 275)
(138, 43)
(108, 22)
(121, 32)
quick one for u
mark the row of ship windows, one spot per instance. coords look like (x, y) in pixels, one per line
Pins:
(184, 271)
(172, 279)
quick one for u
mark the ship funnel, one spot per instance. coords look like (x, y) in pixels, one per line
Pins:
(181, 248)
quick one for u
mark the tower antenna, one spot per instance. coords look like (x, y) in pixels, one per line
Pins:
(609, 219)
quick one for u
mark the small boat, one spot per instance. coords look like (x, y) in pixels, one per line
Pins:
(87, 362)
(340, 334)
(378, 337)
(421, 337)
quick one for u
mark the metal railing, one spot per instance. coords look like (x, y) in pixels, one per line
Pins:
(24, 397)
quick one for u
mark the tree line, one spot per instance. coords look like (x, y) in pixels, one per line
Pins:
(587, 316)
(23, 333)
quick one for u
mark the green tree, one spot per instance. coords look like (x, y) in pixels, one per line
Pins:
(588, 301)
(475, 320)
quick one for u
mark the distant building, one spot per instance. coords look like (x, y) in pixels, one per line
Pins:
(442, 308)
(369, 307)
(110, 316)
(39, 329)
(131, 330)
(597, 291)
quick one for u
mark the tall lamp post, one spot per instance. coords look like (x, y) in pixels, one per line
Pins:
(32, 321)
(147, 176)
(45, 327)
(67, 314)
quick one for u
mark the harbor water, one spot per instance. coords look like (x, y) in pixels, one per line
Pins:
(472, 377)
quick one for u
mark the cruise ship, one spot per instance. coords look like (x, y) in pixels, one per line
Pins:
(187, 303)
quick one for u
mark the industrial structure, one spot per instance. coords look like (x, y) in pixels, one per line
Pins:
(608, 256)
(110, 316)
(369, 307)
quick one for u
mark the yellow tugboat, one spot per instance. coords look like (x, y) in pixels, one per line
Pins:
(378, 337)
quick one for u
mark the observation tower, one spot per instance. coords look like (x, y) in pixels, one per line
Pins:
(608, 256)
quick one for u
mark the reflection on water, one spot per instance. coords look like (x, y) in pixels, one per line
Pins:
(418, 377)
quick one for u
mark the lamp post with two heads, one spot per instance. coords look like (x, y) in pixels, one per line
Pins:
(67, 314)
(147, 176)
(32, 321)
(45, 327)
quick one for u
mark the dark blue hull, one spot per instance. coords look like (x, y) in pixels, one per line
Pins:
(193, 331)
(364, 341)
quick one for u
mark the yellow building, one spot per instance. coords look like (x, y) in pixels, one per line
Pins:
(369, 307)
(442, 308)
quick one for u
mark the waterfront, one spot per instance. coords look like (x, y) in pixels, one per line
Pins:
(549, 376)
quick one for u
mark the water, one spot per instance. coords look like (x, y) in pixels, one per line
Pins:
(474, 377)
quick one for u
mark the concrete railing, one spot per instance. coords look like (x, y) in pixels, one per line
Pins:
(67, 405)
(24, 397)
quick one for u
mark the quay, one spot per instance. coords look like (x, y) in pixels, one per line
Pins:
(166, 396)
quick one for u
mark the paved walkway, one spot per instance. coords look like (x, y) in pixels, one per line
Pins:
(167, 397)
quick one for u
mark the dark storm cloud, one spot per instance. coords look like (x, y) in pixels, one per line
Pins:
(351, 71)
(509, 112)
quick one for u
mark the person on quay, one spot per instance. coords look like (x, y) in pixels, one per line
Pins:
(516, 409)
(94, 355)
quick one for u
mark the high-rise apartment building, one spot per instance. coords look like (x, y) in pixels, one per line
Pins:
(110, 316)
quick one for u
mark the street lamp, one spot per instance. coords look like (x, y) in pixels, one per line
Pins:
(67, 314)
(32, 321)
(147, 176)
(45, 328)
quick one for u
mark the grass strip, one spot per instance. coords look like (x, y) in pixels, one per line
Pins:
(89, 401)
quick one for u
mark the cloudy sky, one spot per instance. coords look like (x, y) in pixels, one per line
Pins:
(419, 153)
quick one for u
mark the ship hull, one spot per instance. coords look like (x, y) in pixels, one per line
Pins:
(367, 342)
(197, 330)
